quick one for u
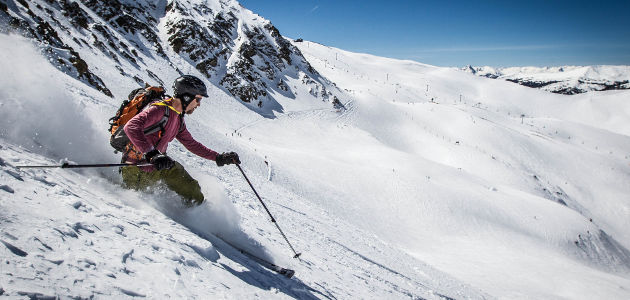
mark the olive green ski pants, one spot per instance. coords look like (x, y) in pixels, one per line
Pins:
(175, 178)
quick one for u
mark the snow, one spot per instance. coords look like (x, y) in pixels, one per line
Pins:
(611, 73)
(482, 200)
(561, 79)
(433, 183)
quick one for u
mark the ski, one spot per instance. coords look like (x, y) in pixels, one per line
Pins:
(288, 273)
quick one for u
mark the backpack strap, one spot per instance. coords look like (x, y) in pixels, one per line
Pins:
(159, 126)
(166, 103)
(166, 114)
(182, 124)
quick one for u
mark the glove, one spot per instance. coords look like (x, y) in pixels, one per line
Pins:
(159, 160)
(227, 158)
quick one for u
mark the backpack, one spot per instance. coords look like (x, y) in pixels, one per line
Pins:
(138, 99)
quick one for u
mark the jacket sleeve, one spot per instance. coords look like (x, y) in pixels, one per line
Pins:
(194, 146)
(135, 127)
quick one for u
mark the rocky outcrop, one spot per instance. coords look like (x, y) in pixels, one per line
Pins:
(251, 61)
(130, 21)
(36, 25)
(205, 47)
(233, 48)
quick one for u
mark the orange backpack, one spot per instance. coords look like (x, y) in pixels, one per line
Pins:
(138, 100)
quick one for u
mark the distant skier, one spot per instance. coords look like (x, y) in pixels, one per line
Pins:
(188, 91)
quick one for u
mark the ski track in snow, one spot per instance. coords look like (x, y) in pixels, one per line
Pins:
(82, 249)
(107, 247)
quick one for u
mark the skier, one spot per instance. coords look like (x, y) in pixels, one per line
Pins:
(188, 91)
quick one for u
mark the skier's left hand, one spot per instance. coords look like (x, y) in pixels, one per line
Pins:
(159, 160)
(227, 158)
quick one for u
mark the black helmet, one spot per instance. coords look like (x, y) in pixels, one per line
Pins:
(189, 85)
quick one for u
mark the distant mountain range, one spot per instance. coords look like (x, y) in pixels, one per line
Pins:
(568, 80)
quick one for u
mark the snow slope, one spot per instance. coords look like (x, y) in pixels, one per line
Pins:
(77, 234)
(466, 176)
(433, 183)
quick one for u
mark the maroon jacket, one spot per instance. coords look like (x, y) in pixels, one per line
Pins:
(145, 143)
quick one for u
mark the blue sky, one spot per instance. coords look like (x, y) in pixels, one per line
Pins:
(458, 33)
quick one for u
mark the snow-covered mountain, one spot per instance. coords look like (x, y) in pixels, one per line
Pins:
(568, 80)
(148, 41)
(430, 184)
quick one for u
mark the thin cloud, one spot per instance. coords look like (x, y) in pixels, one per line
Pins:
(313, 9)
(518, 47)
(492, 48)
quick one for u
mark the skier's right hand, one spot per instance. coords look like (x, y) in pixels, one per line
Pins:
(227, 158)
(159, 160)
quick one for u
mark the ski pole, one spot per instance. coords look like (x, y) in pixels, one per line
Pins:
(297, 255)
(69, 166)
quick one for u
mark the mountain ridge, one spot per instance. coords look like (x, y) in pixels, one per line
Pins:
(567, 80)
(223, 42)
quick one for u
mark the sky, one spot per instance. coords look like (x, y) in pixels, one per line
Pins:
(460, 33)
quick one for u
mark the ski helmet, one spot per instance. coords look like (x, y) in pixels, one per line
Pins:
(188, 85)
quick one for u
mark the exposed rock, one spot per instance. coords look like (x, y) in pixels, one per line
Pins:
(568, 80)
(62, 56)
(248, 58)
(532, 84)
(77, 16)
